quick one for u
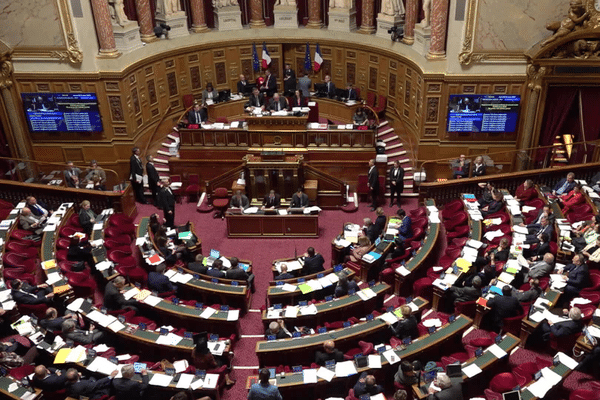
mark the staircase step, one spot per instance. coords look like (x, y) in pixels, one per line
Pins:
(399, 153)
(161, 160)
(163, 175)
(390, 139)
(385, 132)
(383, 123)
(163, 169)
(394, 146)
(164, 153)
(168, 144)
(173, 136)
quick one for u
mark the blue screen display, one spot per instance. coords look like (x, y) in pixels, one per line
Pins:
(62, 112)
(483, 113)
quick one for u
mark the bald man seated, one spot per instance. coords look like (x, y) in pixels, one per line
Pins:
(48, 379)
(277, 329)
(329, 353)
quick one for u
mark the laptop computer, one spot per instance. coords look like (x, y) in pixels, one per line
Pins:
(454, 370)
(512, 395)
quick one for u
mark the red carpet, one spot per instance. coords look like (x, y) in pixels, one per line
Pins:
(213, 233)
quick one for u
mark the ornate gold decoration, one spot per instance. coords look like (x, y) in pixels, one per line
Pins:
(6, 69)
(468, 54)
(69, 52)
(535, 74)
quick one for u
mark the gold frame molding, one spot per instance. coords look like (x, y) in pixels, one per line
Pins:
(469, 55)
(70, 52)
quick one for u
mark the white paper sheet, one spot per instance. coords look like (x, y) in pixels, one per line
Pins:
(180, 366)
(497, 351)
(325, 373)
(566, 360)
(374, 360)
(471, 370)
(184, 381)
(160, 380)
(233, 315)
(152, 300)
(310, 375)
(345, 368)
(391, 356)
(208, 312)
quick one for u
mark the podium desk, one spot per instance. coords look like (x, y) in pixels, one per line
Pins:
(276, 123)
(256, 225)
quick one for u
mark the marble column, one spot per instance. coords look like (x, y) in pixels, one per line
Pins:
(439, 26)
(106, 38)
(198, 17)
(142, 8)
(314, 14)
(411, 20)
(256, 14)
(367, 23)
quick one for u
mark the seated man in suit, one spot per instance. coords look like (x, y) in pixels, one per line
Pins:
(48, 379)
(278, 103)
(565, 328)
(329, 353)
(313, 262)
(237, 273)
(576, 275)
(242, 84)
(278, 329)
(271, 201)
(460, 167)
(352, 95)
(216, 271)
(30, 222)
(407, 326)
(450, 390)
(535, 231)
(299, 199)
(329, 87)
(496, 205)
(284, 273)
(370, 230)
(90, 387)
(24, 293)
(529, 296)
(504, 306)
(197, 114)
(343, 286)
(113, 296)
(466, 293)
(198, 266)
(53, 322)
(537, 253)
(38, 208)
(80, 250)
(540, 269)
(406, 375)
(239, 200)
(565, 185)
(127, 389)
(158, 282)
(256, 100)
(367, 385)
(72, 175)
(405, 229)
(91, 336)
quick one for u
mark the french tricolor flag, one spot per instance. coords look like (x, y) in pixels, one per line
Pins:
(318, 59)
(266, 58)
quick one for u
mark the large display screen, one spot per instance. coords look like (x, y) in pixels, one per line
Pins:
(62, 112)
(483, 113)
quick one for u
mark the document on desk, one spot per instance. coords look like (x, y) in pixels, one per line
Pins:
(566, 360)
(388, 317)
(198, 383)
(53, 277)
(428, 323)
(325, 282)
(471, 370)
(287, 287)
(325, 373)
(210, 382)
(374, 361)
(152, 300)
(160, 380)
(185, 381)
(497, 351)
(310, 375)
(391, 356)
(116, 326)
(169, 339)
(345, 368)
(233, 315)
(308, 310)
(130, 293)
(291, 312)
(103, 265)
(402, 270)
(207, 313)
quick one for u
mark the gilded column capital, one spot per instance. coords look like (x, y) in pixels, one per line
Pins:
(535, 73)
(6, 69)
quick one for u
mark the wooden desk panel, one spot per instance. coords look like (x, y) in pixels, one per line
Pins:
(272, 226)
(276, 123)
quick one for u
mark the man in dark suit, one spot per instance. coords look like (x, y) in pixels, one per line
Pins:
(136, 175)
(535, 231)
(256, 100)
(528, 296)
(166, 202)
(48, 379)
(460, 167)
(396, 183)
(329, 87)
(198, 266)
(24, 293)
(504, 306)
(127, 389)
(38, 208)
(114, 299)
(495, 206)
(407, 326)
(467, 293)
(373, 181)
(91, 336)
(405, 229)
(576, 275)
(352, 95)
(370, 230)
(90, 387)
(271, 201)
(197, 114)
(53, 322)
(367, 385)
(239, 200)
(289, 80)
(72, 175)
(216, 270)
(304, 85)
(540, 269)
(329, 353)
(565, 185)
(278, 329)
(313, 262)
(269, 86)
(242, 85)
(158, 282)
(284, 273)
(562, 329)
(299, 199)
(153, 177)
(277, 103)
(450, 390)
(235, 272)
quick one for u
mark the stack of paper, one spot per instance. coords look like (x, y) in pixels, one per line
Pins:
(169, 339)
(366, 294)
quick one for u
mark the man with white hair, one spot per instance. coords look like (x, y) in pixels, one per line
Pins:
(127, 389)
(449, 390)
(566, 328)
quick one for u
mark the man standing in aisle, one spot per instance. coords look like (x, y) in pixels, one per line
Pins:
(396, 183)
(289, 80)
(153, 177)
(136, 175)
(166, 202)
(304, 84)
(373, 180)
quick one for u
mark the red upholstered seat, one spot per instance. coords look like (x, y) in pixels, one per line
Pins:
(22, 248)
(451, 208)
(117, 235)
(220, 200)
(14, 260)
(513, 325)
(122, 224)
(467, 308)
(423, 287)
(365, 348)
(460, 231)
(504, 382)
(418, 212)
(21, 372)
(133, 273)
(11, 273)
(68, 231)
(63, 243)
(420, 223)
(594, 282)
(39, 310)
(83, 285)
(20, 235)
(193, 187)
(74, 222)
(448, 259)
(459, 219)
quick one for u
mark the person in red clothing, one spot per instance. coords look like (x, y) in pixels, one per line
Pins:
(573, 198)
(526, 191)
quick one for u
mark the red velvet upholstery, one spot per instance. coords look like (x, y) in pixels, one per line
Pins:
(122, 223)
(39, 310)
(220, 200)
(121, 257)
(15, 260)
(117, 235)
(82, 284)
(68, 231)
(460, 231)
(21, 372)
(503, 382)
(18, 273)
(418, 234)
(423, 287)
(418, 212)
(22, 248)
(20, 235)
(513, 325)
(467, 308)
(448, 259)
(133, 273)
(460, 218)
(193, 187)
(563, 343)
(452, 208)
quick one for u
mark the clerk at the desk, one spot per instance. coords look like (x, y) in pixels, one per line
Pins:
(256, 100)
(239, 200)
(299, 199)
(277, 103)
(271, 201)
